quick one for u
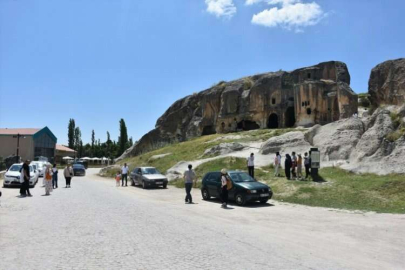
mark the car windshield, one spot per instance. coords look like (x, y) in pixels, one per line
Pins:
(241, 177)
(150, 171)
(15, 168)
(78, 166)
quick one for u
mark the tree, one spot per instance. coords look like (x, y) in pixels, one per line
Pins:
(78, 138)
(71, 133)
(93, 138)
(108, 137)
(123, 139)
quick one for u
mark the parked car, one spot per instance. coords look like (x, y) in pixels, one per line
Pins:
(148, 177)
(79, 170)
(245, 188)
(84, 163)
(12, 176)
(36, 172)
(40, 167)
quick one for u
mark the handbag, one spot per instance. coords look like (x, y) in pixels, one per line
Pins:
(48, 176)
(229, 184)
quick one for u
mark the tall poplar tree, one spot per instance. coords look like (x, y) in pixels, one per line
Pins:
(123, 139)
(71, 133)
(78, 138)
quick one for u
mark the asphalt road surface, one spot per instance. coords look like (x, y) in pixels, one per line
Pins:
(95, 225)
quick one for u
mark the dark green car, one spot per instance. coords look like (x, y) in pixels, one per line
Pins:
(245, 188)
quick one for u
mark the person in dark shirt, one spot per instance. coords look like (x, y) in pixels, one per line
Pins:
(26, 184)
(287, 166)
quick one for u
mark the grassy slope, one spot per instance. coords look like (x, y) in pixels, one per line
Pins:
(194, 149)
(342, 189)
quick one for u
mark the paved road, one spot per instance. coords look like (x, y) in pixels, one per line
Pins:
(95, 225)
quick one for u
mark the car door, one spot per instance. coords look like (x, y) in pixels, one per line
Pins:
(232, 191)
(214, 184)
(132, 175)
(138, 176)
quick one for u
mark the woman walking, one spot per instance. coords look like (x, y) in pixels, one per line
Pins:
(48, 179)
(68, 174)
(224, 188)
(55, 176)
(287, 166)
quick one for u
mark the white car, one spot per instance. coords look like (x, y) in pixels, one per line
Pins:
(36, 170)
(40, 167)
(12, 176)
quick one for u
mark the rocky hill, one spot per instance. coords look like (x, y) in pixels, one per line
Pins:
(318, 94)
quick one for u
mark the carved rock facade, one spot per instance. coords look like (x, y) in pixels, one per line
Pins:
(318, 94)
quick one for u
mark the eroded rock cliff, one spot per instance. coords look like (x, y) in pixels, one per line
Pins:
(387, 83)
(318, 94)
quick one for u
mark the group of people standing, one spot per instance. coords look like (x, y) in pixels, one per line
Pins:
(51, 177)
(293, 165)
(50, 181)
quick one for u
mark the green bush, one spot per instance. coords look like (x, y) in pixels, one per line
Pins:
(247, 83)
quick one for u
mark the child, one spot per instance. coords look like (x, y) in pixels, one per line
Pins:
(117, 179)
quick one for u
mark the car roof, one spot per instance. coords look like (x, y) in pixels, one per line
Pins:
(146, 167)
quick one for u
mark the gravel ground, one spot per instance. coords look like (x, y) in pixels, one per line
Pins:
(95, 225)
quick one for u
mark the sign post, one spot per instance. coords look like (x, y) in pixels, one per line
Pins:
(315, 158)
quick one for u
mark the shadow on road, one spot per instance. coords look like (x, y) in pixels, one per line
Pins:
(247, 205)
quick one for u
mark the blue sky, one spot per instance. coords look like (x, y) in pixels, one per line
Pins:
(98, 61)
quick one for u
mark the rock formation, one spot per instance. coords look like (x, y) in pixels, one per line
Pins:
(356, 144)
(387, 83)
(318, 94)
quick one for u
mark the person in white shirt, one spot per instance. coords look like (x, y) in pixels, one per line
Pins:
(124, 175)
(189, 178)
(251, 165)
(277, 164)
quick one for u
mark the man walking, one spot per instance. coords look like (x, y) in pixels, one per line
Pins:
(26, 175)
(251, 165)
(277, 164)
(124, 175)
(189, 178)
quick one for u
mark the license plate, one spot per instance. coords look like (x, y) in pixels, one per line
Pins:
(159, 183)
(265, 195)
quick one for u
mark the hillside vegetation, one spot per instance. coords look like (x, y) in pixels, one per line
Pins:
(338, 189)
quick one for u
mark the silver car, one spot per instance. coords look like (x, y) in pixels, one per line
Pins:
(147, 177)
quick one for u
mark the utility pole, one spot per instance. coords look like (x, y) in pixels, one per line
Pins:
(18, 143)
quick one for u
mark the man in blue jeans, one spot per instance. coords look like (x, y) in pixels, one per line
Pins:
(189, 177)
(124, 174)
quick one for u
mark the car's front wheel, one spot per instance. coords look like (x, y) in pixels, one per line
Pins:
(240, 199)
(164, 185)
(143, 185)
(205, 194)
